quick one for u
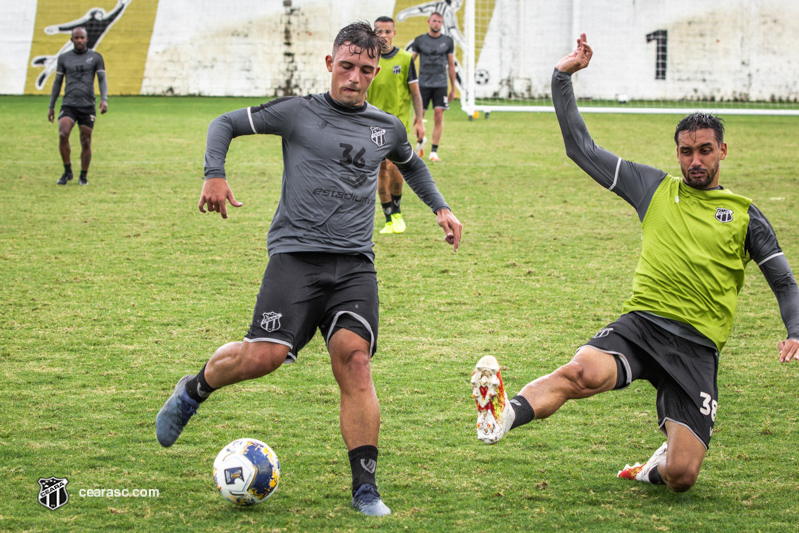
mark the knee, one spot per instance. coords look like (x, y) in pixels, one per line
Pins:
(262, 358)
(583, 380)
(681, 480)
(63, 135)
(86, 142)
(356, 367)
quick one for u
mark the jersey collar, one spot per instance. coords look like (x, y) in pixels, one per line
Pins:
(341, 107)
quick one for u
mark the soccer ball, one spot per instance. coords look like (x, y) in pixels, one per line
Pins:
(246, 472)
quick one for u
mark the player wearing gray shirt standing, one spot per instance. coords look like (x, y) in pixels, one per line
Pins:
(78, 67)
(437, 63)
(320, 273)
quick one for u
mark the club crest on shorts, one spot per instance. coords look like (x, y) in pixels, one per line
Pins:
(53, 492)
(378, 135)
(723, 214)
(271, 322)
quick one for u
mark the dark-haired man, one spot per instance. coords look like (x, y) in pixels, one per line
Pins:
(697, 240)
(78, 67)
(320, 273)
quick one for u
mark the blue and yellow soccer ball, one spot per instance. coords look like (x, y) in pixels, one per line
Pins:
(246, 472)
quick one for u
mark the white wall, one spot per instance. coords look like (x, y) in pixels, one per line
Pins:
(716, 48)
(238, 47)
(16, 35)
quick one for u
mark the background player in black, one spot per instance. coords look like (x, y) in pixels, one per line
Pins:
(78, 67)
(320, 272)
(437, 64)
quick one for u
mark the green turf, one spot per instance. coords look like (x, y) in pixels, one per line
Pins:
(111, 292)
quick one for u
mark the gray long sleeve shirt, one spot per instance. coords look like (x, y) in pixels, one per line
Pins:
(331, 159)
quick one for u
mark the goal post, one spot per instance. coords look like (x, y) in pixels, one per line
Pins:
(651, 56)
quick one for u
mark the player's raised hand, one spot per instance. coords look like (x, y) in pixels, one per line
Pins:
(578, 59)
(789, 349)
(451, 226)
(216, 193)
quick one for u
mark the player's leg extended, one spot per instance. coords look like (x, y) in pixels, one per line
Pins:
(384, 194)
(359, 417)
(589, 372)
(232, 363)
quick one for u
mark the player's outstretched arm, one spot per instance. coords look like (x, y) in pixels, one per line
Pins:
(215, 194)
(578, 59)
(452, 227)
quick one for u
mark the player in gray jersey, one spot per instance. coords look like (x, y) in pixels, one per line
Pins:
(320, 273)
(78, 67)
(437, 64)
(697, 238)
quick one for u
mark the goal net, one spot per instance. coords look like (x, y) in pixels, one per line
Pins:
(650, 56)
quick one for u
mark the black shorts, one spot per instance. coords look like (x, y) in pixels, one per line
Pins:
(437, 94)
(683, 372)
(301, 292)
(84, 116)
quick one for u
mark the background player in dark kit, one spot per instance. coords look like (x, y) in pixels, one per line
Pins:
(78, 67)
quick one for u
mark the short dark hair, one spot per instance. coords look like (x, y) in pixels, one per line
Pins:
(384, 19)
(435, 13)
(701, 121)
(360, 36)
(76, 28)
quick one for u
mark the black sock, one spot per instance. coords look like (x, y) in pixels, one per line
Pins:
(197, 388)
(387, 207)
(68, 168)
(654, 477)
(523, 409)
(363, 463)
(395, 201)
(83, 173)
(435, 148)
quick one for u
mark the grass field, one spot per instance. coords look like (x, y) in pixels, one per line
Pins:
(111, 292)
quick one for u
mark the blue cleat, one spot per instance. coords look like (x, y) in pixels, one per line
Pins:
(367, 501)
(175, 414)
